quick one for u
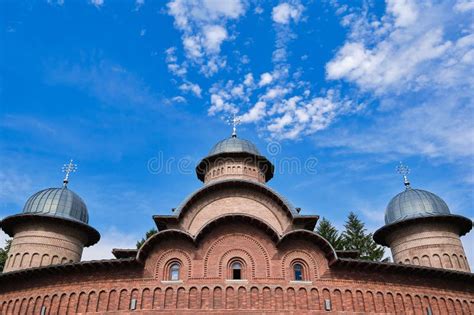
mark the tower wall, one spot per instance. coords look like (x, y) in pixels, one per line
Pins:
(38, 244)
(238, 168)
(428, 244)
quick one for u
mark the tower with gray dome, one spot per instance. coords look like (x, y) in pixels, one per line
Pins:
(421, 230)
(53, 228)
(234, 158)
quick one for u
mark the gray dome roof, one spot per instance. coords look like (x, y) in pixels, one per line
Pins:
(414, 203)
(58, 202)
(234, 145)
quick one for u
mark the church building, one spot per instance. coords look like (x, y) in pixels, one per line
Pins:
(235, 246)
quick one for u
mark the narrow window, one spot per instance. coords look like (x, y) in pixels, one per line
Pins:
(298, 269)
(174, 272)
(236, 271)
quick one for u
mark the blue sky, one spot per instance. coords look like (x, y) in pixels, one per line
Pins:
(120, 85)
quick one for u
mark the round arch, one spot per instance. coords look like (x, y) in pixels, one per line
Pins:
(313, 237)
(162, 235)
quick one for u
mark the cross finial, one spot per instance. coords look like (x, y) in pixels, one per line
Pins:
(234, 121)
(404, 171)
(68, 169)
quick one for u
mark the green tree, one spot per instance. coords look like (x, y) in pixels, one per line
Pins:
(330, 233)
(148, 234)
(4, 253)
(355, 237)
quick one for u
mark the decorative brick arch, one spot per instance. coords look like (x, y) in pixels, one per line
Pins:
(236, 253)
(246, 237)
(303, 257)
(149, 244)
(173, 254)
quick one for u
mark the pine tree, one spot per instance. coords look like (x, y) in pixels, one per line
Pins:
(4, 254)
(148, 234)
(330, 233)
(354, 237)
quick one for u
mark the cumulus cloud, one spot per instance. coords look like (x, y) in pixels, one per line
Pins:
(417, 61)
(256, 113)
(265, 78)
(176, 68)
(285, 12)
(191, 87)
(408, 56)
(203, 27)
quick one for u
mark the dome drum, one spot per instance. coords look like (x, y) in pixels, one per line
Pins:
(239, 152)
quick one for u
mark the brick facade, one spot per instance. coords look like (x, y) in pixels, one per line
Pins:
(230, 220)
(205, 286)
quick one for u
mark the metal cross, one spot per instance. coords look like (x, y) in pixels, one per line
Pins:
(404, 171)
(68, 169)
(234, 121)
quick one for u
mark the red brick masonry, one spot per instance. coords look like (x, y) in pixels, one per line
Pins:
(350, 285)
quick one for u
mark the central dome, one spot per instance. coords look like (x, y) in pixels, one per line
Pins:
(234, 145)
(58, 202)
(414, 203)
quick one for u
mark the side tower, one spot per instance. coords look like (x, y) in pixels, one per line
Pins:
(420, 230)
(52, 229)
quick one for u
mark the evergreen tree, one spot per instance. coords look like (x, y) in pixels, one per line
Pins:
(330, 233)
(4, 254)
(148, 234)
(354, 237)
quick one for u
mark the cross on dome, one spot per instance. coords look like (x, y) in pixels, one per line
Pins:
(404, 171)
(68, 169)
(234, 122)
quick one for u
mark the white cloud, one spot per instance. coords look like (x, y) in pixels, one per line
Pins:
(248, 79)
(219, 104)
(405, 11)
(178, 99)
(265, 78)
(285, 12)
(214, 35)
(191, 87)
(139, 4)
(97, 3)
(275, 92)
(256, 113)
(203, 25)
(464, 5)
(174, 67)
(409, 56)
(417, 61)
(110, 238)
(142, 32)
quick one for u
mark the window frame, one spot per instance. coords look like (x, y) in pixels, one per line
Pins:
(230, 269)
(174, 266)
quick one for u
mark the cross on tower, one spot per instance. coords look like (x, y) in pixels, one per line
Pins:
(404, 171)
(68, 169)
(234, 121)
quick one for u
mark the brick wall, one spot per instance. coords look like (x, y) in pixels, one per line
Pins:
(205, 287)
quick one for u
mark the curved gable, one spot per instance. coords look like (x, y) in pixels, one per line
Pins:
(235, 197)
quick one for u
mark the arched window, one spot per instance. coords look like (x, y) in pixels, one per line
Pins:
(174, 271)
(298, 271)
(236, 270)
